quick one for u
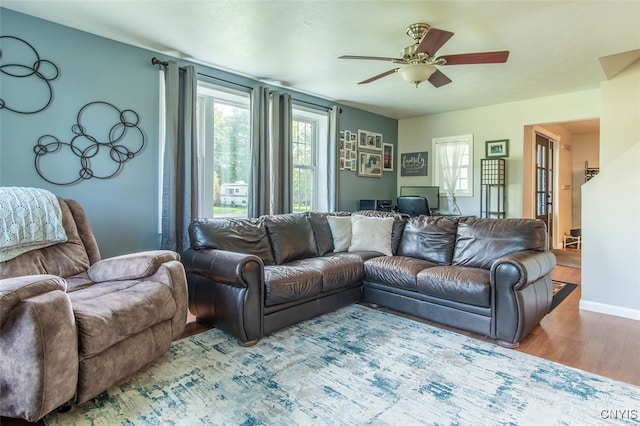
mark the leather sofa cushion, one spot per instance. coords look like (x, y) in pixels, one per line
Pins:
(291, 237)
(110, 312)
(480, 242)
(458, 283)
(290, 283)
(397, 271)
(321, 232)
(431, 238)
(337, 270)
(247, 236)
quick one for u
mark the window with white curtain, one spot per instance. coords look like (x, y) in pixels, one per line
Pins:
(458, 152)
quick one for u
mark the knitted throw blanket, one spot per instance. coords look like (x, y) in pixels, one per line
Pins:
(30, 219)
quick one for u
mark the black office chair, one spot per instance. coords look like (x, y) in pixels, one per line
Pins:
(413, 205)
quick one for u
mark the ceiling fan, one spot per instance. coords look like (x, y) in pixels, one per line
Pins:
(419, 61)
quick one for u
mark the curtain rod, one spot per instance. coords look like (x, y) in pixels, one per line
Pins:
(156, 61)
(328, 108)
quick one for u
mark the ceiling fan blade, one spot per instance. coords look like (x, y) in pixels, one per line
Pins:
(376, 77)
(439, 79)
(374, 58)
(477, 58)
(433, 40)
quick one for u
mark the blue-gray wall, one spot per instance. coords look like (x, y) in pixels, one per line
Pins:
(353, 188)
(123, 210)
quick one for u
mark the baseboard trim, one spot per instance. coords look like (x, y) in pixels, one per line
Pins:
(603, 308)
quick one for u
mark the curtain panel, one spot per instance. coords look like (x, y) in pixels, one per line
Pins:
(450, 163)
(180, 157)
(271, 164)
(333, 175)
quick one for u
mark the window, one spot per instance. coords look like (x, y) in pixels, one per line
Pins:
(225, 145)
(224, 132)
(309, 136)
(455, 150)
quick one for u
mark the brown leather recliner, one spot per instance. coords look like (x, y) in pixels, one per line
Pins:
(73, 325)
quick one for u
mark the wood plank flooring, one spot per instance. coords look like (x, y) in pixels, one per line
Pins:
(601, 344)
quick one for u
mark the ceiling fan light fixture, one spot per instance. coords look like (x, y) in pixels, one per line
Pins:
(416, 73)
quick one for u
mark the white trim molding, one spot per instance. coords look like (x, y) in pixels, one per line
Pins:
(603, 308)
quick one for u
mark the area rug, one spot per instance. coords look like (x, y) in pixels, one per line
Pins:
(355, 366)
(561, 290)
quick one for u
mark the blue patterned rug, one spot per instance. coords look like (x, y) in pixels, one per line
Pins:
(356, 366)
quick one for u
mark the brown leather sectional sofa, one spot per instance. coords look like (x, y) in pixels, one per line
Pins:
(251, 277)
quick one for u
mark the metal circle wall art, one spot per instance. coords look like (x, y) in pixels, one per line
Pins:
(25, 71)
(105, 139)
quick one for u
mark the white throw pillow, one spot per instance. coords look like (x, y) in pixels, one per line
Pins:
(371, 234)
(341, 231)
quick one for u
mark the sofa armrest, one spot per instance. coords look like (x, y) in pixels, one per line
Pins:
(227, 289)
(227, 267)
(38, 346)
(521, 268)
(521, 294)
(130, 266)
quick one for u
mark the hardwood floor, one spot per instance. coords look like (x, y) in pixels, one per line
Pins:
(601, 344)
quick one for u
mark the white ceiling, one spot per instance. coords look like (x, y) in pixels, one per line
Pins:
(554, 45)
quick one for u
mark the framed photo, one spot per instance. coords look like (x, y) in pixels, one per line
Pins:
(414, 163)
(369, 164)
(387, 157)
(370, 140)
(378, 141)
(362, 139)
(497, 148)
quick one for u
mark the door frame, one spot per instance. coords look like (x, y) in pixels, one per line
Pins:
(529, 177)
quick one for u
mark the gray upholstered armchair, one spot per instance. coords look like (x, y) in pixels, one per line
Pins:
(72, 325)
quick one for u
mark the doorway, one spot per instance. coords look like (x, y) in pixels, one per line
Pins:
(555, 156)
(544, 179)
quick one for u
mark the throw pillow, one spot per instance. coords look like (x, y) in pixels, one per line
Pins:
(371, 234)
(341, 231)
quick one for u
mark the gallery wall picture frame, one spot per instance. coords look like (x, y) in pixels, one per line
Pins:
(370, 140)
(369, 164)
(347, 150)
(497, 148)
(362, 139)
(387, 157)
